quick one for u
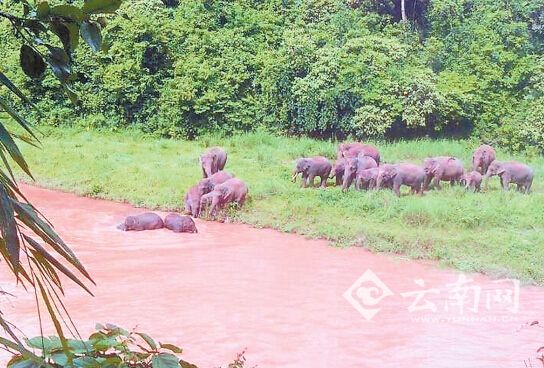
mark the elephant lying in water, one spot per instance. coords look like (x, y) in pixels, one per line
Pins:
(180, 224)
(512, 172)
(145, 221)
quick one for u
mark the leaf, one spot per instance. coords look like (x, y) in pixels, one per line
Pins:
(165, 360)
(59, 61)
(18, 118)
(59, 266)
(8, 227)
(52, 314)
(101, 6)
(42, 10)
(6, 82)
(8, 142)
(152, 344)
(172, 348)
(91, 33)
(68, 11)
(22, 362)
(31, 62)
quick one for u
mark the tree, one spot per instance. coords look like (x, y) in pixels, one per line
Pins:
(28, 244)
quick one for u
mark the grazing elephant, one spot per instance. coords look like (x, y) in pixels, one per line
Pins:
(402, 174)
(338, 171)
(366, 179)
(350, 150)
(192, 201)
(145, 221)
(206, 185)
(180, 224)
(212, 161)
(472, 180)
(310, 167)
(232, 191)
(442, 168)
(354, 166)
(512, 172)
(483, 157)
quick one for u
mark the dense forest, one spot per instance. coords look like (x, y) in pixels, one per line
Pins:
(324, 68)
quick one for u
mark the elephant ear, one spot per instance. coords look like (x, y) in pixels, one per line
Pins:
(500, 170)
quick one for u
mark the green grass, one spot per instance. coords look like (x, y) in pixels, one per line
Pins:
(494, 232)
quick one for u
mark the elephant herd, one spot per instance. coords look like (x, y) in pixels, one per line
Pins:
(217, 189)
(360, 163)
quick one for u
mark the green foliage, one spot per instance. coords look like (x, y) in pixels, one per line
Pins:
(109, 346)
(316, 67)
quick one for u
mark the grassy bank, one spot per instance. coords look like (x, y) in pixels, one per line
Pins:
(494, 232)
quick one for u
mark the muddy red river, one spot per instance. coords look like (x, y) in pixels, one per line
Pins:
(290, 301)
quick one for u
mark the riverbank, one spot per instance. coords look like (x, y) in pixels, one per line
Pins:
(494, 232)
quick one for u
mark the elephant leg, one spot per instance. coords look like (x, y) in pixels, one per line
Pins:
(396, 188)
(324, 181)
(436, 183)
(505, 181)
(426, 182)
(311, 178)
(528, 186)
(304, 183)
(358, 184)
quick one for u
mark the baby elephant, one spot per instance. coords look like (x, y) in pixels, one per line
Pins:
(366, 179)
(511, 172)
(145, 221)
(232, 191)
(212, 161)
(472, 180)
(180, 224)
(310, 168)
(338, 171)
(192, 197)
(354, 166)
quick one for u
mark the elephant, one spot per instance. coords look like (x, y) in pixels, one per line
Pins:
(511, 172)
(442, 168)
(354, 166)
(481, 159)
(180, 224)
(145, 221)
(366, 179)
(310, 167)
(338, 171)
(212, 161)
(232, 191)
(472, 180)
(402, 174)
(350, 150)
(192, 200)
(206, 185)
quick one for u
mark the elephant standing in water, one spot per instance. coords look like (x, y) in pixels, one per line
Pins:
(402, 174)
(212, 161)
(483, 157)
(511, 172)
(232, 191)
(352, 150)
(355, 166)
(310, 167)
(442, 168)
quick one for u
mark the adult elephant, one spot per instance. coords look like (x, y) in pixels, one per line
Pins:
(442, 168)
(354, 166)
(310, 167)
(401, 174)
(212, 161)
(482, 157)
(351, 150)
(511, 172)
